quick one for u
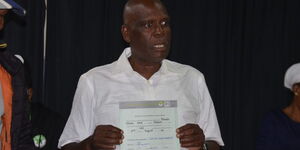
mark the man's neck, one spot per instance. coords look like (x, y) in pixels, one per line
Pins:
(293, 110)
(144, 69)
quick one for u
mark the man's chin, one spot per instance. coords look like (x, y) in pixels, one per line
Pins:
(160, 54)
(159, 59)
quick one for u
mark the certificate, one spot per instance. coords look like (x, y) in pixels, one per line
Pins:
(149, 125)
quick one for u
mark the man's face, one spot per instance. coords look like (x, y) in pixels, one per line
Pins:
(3, 12)
(148, 33)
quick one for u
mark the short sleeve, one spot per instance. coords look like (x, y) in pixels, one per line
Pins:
(80, 122)
(207, 116)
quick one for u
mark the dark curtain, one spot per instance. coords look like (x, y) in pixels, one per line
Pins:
(243, 48)
(24, 35)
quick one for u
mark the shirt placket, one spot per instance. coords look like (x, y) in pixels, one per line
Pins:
(149, 93)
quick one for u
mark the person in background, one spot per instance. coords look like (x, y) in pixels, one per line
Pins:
(14, 106)
(280, 129)
(141, 73)
(47, 125)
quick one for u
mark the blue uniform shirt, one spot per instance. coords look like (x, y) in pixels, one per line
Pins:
(279, 132)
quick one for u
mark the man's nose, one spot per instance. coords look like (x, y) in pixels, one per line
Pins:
(158, 30)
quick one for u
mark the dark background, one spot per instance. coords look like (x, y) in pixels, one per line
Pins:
(243, 48)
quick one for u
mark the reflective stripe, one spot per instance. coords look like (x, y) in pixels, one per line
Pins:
(1, 109)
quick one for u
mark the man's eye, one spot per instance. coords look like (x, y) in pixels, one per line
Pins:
(148, 25)
(164, 23)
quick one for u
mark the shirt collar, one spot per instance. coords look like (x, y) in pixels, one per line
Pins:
(123, 65)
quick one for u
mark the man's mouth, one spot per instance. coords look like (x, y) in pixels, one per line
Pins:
(159, 46)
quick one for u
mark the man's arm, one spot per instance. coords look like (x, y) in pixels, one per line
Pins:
(84, 145)
(104, 137)
(212, 145)
(192, 137)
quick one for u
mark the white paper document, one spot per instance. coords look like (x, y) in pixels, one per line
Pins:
(149, 125)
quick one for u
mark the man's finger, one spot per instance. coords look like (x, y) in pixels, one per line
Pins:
(108, 128)
(191, 144)
(191, 139)
(103, 146)
(189, 129)
(111, 141)
(185, 127)
(112, 134)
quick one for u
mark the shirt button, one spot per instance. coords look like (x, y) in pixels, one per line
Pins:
(150, 82)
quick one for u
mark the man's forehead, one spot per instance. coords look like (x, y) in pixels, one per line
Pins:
(144, 9)
(145, 2)
(151, 18)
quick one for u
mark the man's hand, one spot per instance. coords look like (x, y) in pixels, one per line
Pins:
(191, 136)
(106, 137)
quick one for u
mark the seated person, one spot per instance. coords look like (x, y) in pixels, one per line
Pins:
(280, 130)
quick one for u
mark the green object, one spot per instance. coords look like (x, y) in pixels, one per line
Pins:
(39, 141)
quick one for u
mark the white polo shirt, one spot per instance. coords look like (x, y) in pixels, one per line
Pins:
(99, 91)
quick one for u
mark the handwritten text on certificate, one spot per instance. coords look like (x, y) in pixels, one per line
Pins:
(149, 125)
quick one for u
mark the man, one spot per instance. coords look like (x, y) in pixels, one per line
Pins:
(141, 73)
(15, 124)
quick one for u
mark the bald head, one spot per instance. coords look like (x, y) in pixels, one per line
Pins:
(146, 28)
(132, 6)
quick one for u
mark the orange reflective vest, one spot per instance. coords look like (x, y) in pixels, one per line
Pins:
(7, 92)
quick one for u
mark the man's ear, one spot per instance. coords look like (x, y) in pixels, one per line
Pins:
(125, 33)
(296, 88)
